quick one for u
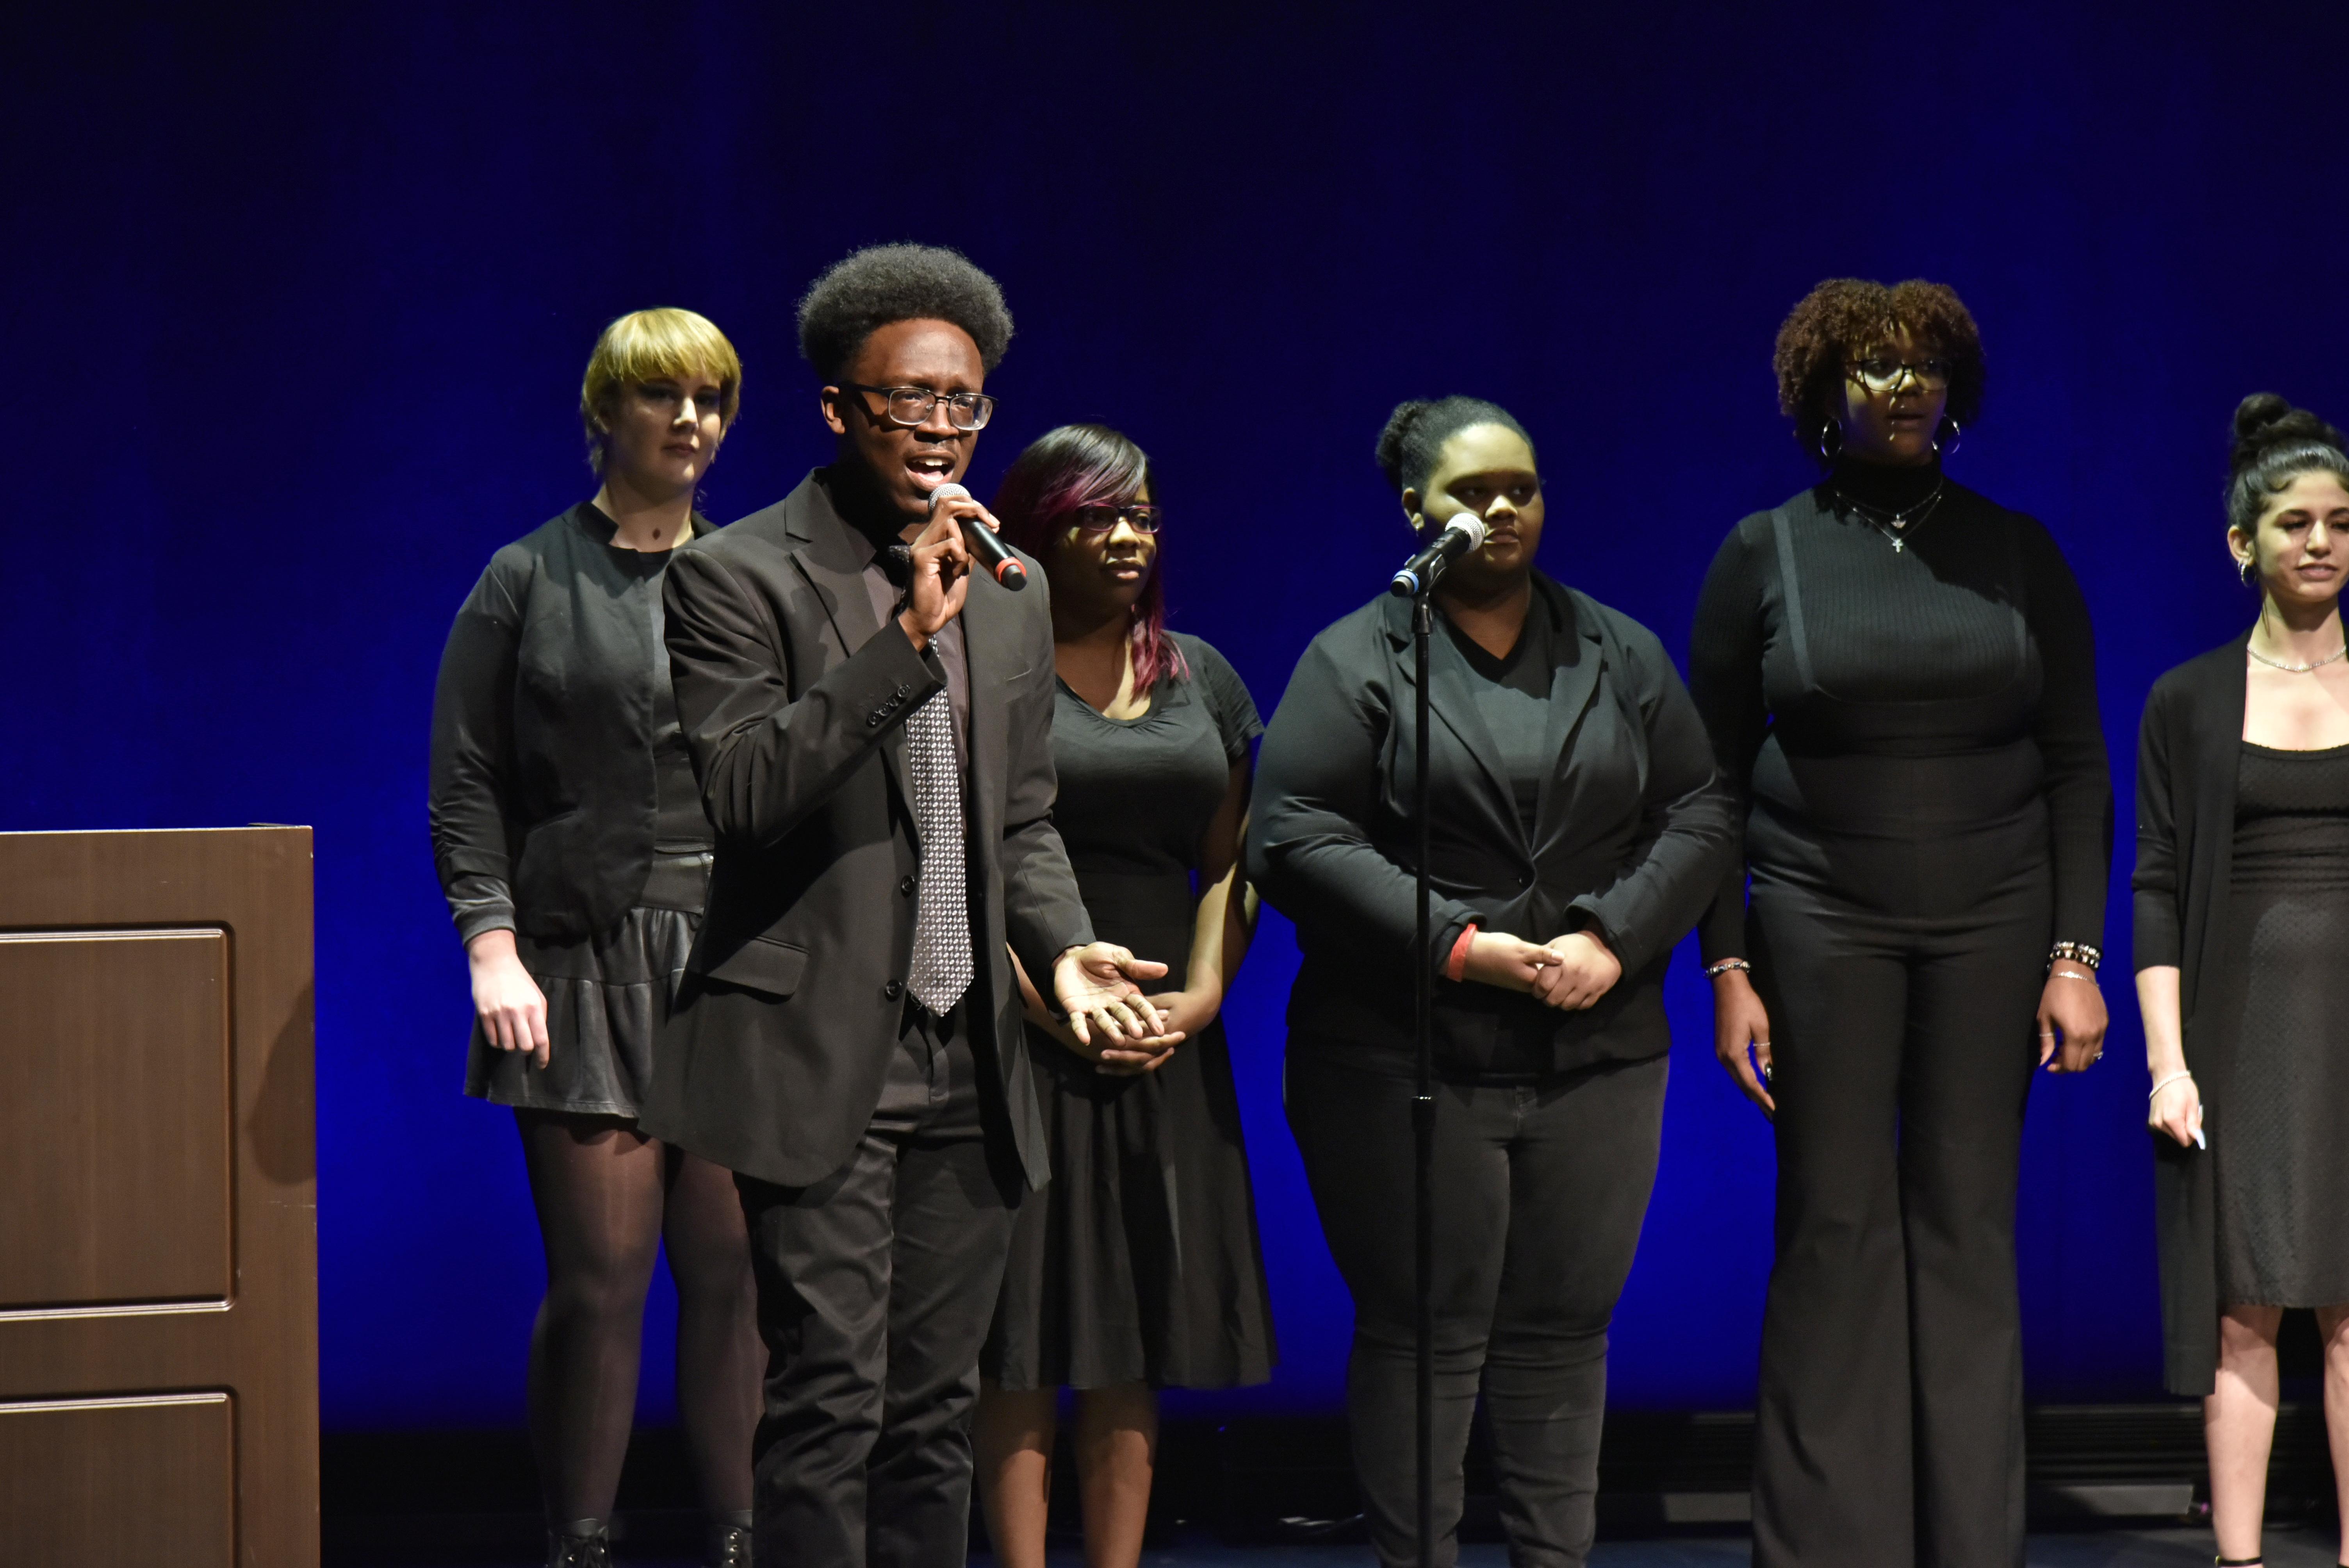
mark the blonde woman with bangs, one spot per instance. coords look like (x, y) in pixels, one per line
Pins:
(572, 846)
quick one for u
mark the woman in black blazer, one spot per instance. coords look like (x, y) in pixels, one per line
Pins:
(572, 846)
(1577, 832)
(2242, 919)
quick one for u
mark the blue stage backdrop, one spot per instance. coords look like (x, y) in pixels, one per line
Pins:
(298, 303)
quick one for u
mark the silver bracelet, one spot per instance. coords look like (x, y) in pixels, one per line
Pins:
(1715, 971)
(2180, 1076)
(2064, 975)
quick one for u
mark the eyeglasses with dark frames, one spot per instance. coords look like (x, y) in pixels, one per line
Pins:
(1141, 517)
(911, 405)
(1882, 373)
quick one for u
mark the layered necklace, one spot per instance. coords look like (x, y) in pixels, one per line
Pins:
(1897, 526)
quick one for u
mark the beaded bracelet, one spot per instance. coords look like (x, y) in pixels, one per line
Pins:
(2080, 953)
(1715, 971)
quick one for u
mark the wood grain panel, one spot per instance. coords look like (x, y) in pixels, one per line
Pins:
(114, 1117)
(83, 914)
(125, 1482)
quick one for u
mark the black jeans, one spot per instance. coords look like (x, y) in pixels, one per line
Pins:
(1539, 1195)
(1890, 1420)
(875, 1289)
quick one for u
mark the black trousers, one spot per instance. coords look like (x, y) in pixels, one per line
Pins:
(1539, 1195)
(1890, 1419)
(875, 1288)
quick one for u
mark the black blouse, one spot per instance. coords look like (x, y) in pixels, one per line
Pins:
(557, 769)
(1903, 726)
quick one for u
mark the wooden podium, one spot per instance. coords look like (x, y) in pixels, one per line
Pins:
(158, 1343)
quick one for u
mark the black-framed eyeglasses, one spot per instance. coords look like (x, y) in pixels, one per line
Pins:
(911, 405)
(1882, 373)
(1141, 517)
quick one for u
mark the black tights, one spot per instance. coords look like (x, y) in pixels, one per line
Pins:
(607, 1197)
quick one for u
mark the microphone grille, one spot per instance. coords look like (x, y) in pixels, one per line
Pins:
(1474, 526)
(947, 491)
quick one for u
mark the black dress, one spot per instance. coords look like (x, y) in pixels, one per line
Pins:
(1139, 1260)
(2275, 1133)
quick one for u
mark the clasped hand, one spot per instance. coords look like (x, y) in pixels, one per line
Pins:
(1568, 972)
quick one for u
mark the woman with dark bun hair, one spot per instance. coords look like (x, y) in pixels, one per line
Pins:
(1900, 678)
(575, 855)
(1136, 1267)
(1577, 832)
(2242, 919)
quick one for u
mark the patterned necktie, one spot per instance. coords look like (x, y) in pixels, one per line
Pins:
(942, 968)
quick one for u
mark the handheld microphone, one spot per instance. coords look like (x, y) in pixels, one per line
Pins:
(1462, 535)
(980, 539)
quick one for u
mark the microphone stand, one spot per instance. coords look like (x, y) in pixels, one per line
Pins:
(1423, 1105)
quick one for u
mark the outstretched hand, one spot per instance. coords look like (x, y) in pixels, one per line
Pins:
(1099, 987)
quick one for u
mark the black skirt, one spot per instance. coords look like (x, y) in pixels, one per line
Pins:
(607, 997)
(1139, 1262)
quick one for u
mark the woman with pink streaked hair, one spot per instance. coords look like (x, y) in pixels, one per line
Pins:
(1137, 1268)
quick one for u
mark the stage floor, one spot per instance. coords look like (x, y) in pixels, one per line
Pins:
(2167, 1548)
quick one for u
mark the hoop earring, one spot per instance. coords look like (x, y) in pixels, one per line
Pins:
(1827, 454)
(1957, 434)
(2243, 571)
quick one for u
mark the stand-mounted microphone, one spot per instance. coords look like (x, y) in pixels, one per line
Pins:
(1463, 533)
(986, 549)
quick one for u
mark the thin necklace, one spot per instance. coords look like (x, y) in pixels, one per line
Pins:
(2297, 669)
(1894, 525)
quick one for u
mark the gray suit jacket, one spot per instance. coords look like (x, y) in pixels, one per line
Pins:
(793, 700)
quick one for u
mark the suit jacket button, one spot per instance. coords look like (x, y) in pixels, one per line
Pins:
(906, 887)
(892, 991)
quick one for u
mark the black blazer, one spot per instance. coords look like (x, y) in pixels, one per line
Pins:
(1631, 835)
(542, 778)
(793, 700)
(2189, 747)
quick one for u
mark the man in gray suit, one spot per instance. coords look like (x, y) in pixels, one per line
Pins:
(870, 721)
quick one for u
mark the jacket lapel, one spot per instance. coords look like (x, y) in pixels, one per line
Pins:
(1573, 683)
(831, 555)
(991, 647)
(1453, 703)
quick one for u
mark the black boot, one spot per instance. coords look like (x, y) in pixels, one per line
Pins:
(730, 1541)
(582, 1544)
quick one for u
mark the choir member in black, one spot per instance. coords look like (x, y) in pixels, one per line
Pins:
(2243, 922)
(1137, 1267)
(572, 846)
(871, 723)
(1578, 830)
(1900, 683)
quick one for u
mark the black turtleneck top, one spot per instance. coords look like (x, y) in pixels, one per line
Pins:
(1905, 729)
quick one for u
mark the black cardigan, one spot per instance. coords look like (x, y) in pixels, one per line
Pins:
(2188, 750)
(1631, 836)
(545, 791)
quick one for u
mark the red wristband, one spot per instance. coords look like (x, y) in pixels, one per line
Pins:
(1457, 964)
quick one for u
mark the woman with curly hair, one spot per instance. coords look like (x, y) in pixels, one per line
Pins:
(1900, 679)
(575, 855)
(2242, 916)
(1136, 1268)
